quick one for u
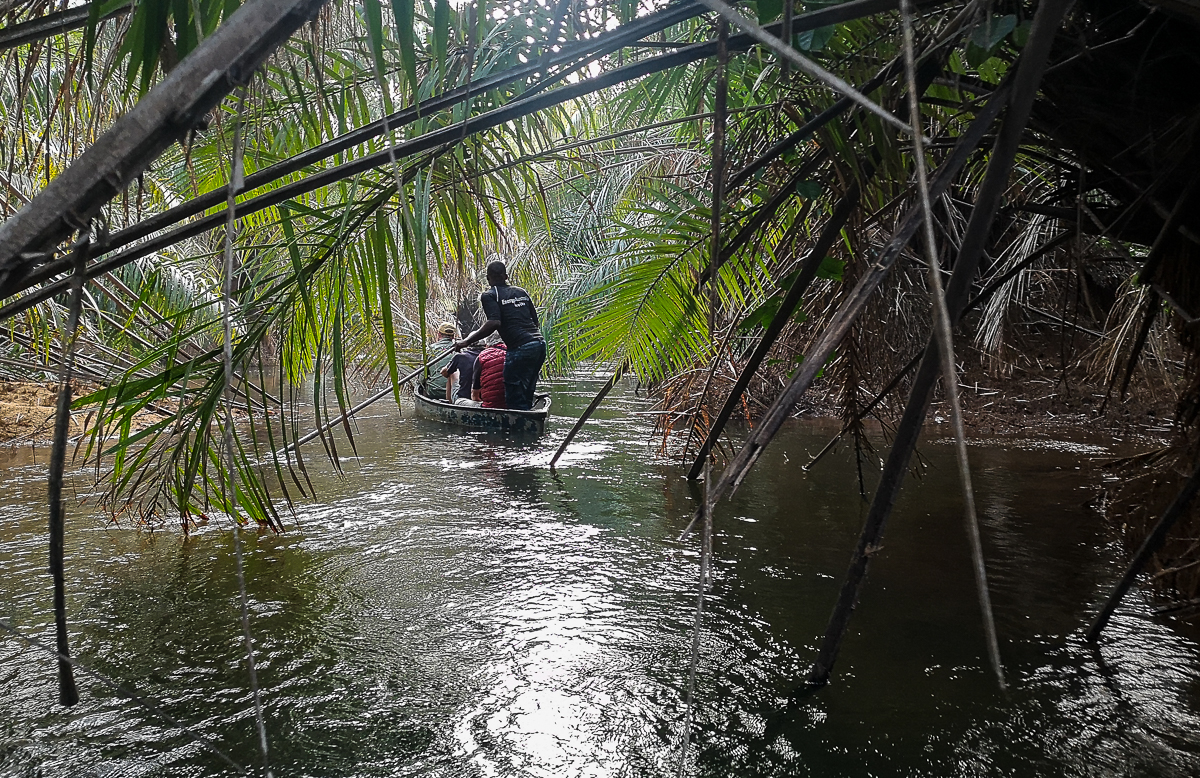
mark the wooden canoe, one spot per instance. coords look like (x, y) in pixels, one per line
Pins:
(532, 422)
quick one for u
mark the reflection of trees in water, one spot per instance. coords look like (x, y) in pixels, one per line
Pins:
(171, 628)
(333, 670)
(496, 470)
(521, 482)
(182, 600)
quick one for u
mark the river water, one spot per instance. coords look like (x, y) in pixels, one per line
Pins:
(448, 607)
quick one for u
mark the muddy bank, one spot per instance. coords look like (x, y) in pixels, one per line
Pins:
(1028, 397)
(27, 413)
(1045, 404)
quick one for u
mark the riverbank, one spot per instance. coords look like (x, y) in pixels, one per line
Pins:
(27, 413)
(1036, 401)
(993, 406)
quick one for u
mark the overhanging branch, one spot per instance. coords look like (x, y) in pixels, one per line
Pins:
(442, 137)
(227, 57)
(51, 24)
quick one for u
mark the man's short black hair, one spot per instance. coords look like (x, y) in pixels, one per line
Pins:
(497, 267)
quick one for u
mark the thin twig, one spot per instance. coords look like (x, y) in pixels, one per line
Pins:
(793, 57)
(945, 337)
(67, 693)
(720, 115)
(236, 183)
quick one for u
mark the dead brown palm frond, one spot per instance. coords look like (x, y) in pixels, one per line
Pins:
(1121, 326)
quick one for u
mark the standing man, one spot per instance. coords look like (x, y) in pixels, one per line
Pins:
(509, 310)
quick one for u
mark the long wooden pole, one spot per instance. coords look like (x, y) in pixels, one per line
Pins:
(587, 413)
(365, 403)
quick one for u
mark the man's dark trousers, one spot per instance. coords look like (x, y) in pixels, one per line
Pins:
(521, 368)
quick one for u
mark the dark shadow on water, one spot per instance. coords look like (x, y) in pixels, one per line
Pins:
(521, 483)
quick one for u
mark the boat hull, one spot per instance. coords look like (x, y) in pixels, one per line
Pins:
(501, 420)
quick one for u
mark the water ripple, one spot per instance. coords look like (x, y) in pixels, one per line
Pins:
(451, 608)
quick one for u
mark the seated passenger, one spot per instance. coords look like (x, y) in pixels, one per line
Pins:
(435, 383)
(460, 374)
(487, 385)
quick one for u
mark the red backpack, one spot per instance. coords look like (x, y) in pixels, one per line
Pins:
(491, 375)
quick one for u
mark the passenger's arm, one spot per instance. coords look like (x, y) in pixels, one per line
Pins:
(449, 382)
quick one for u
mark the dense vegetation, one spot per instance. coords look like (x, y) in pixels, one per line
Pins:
(390, 150)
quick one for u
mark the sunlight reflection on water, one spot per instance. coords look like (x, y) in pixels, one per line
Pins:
(451, 608)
